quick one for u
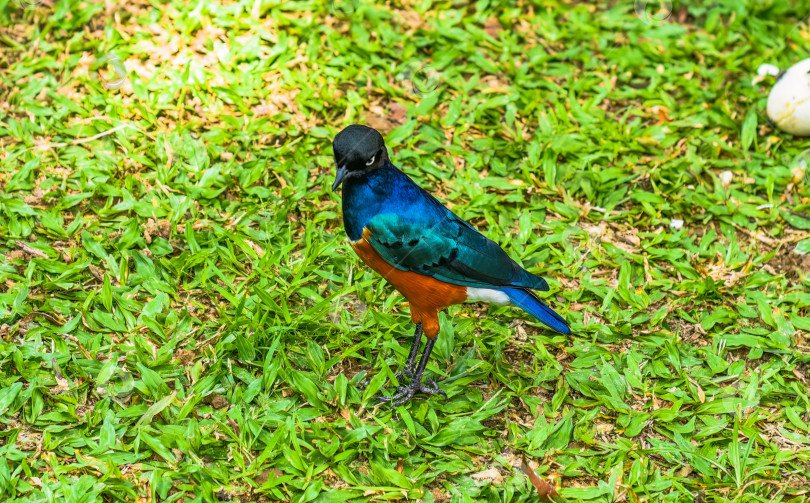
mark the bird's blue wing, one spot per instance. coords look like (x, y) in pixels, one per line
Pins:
(447, 248)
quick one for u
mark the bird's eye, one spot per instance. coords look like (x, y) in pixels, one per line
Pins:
(371, 161)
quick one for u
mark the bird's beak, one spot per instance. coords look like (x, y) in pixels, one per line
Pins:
(341, 175)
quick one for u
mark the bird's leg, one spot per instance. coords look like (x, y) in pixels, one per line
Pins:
(411, 362)
(405, 393)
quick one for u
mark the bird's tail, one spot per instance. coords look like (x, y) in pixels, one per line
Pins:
(529, 302)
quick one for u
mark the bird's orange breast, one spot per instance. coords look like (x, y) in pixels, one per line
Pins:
(426, 295)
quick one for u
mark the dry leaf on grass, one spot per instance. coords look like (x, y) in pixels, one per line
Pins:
(398, 113)
(493, 27)
(30, 250)
(490, 474)
(545, 490)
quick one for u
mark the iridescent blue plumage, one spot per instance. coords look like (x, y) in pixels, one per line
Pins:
(412, 231)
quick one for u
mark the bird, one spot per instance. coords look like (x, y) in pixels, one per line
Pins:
(431, 256)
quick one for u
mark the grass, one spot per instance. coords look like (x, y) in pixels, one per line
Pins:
(181, 318)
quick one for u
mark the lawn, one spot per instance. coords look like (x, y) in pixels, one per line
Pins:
(182, 318)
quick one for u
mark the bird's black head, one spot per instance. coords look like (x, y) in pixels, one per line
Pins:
(358, 150)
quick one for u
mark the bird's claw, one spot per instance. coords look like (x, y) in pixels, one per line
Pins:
(404, 394)
(432, 388)
(404, 376)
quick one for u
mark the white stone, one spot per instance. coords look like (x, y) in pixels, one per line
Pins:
(789, 101)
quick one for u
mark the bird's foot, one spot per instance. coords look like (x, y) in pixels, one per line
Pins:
(404, 376)
(404, 394)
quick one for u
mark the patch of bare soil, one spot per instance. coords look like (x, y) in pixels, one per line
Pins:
(791, 264)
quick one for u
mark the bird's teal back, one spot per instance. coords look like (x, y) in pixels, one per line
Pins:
(413, 232)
